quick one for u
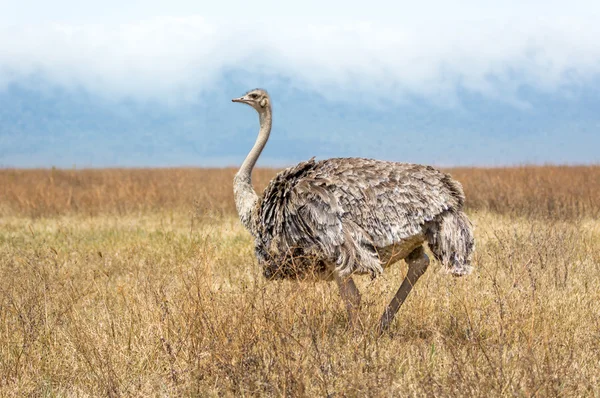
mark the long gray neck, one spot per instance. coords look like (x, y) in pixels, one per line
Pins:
(244, 194)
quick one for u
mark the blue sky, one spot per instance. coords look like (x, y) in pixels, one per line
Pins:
(518, 61)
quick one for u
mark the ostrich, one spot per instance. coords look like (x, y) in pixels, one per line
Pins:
(339, 217)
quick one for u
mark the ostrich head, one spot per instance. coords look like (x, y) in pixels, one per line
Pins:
(257, 98)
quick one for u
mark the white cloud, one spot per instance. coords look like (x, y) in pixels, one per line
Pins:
(176, 57)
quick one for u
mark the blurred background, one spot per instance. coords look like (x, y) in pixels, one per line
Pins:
(148, 84)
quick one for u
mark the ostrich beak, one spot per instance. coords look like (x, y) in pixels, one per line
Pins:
(241, 99)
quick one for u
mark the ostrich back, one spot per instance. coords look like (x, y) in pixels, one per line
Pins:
(353, 214)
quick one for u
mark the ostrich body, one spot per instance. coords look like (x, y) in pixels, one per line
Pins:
(345, 216)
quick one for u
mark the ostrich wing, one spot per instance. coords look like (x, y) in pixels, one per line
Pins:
(345, 208)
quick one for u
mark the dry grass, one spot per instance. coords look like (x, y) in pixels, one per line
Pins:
(552, 191)
(110, 285)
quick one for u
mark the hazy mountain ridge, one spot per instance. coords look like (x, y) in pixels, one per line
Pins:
(42, 125)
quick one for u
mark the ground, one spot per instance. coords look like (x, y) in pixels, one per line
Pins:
(168, 300)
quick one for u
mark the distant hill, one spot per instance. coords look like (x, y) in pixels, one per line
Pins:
(44, 125)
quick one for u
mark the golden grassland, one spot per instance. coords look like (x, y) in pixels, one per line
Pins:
(143, 283)
(555, 191)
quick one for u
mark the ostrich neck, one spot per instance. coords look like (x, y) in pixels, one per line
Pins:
(245, 196)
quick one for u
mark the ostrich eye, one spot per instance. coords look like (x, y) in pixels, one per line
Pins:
(253, 96)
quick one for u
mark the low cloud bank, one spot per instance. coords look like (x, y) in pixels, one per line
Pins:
(176, 58)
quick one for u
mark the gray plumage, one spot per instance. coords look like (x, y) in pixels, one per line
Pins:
(345, 216)
(360, 215)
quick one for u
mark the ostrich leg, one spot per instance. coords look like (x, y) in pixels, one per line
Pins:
(351, 297)
(417, 265)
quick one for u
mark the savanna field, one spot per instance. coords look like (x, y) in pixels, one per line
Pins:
(142, 282)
